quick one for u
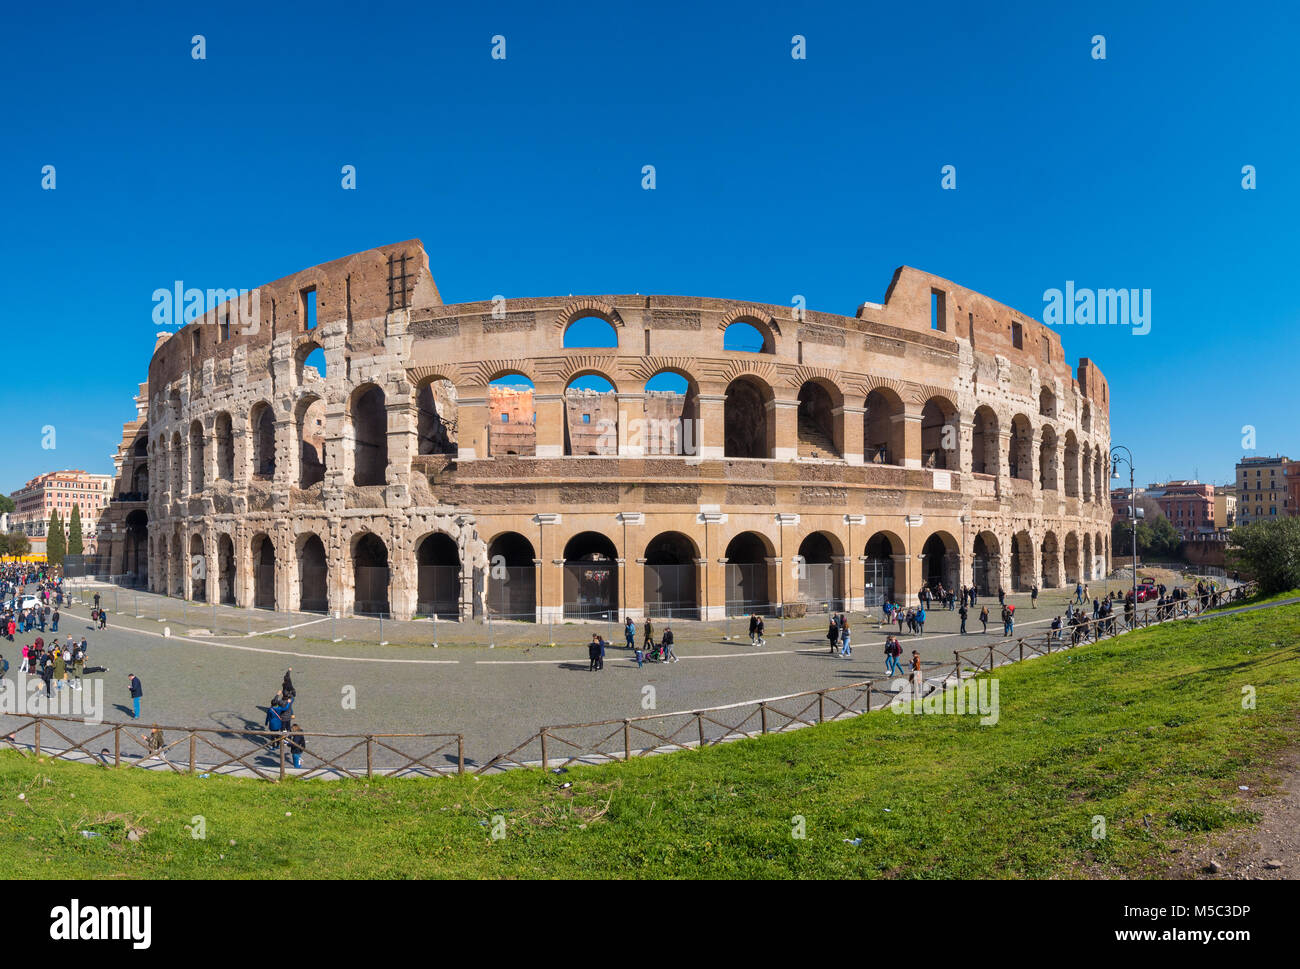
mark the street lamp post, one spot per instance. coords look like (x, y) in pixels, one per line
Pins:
(1115, 460)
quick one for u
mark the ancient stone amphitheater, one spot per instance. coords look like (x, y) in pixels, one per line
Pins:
(458, 459)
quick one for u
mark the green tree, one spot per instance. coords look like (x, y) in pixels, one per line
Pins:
(6, 504)
(56, 540)
(1270, 551)
(75, 545)
(17, 544)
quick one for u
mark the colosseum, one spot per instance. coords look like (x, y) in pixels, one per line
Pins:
(365, 448)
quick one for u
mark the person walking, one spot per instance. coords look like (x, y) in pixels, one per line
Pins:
(1033, 597)
(963, 613)
(60, 669)
(629, 632)
(920, 621)
(1002, 596)
(667, 644)
(753, 628)
(286, 687)
(833, 633)
(137, 691)
(984, 618)
(24, 667)
(297, 743)
(593, 653)
(649, 629)
(54, 628)
(846, 641)
(758, 632)
(78, 668)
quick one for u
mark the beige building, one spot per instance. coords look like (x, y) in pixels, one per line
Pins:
(60, 491)
(443, 460)
(1225, 506)
(1262, 489)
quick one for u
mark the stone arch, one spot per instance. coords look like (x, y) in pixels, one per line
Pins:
(820, 419)
(671, 576)
(1052, 578)
(590, 577)
(882, 556)
(223, 440)
(1046, 402)
(608, 333)
(135, 560)
(225, 569)
(262, 549)
(985, 456)
(766, 325)
(1100, 563)
(1071, 465)
(748, 428)
(305, 374)
(435, 401)
(1047, 470)
(312, 573)
(940, 561)
(371, 575)
(261, 426)
(820, 582)
(309, 422)
(749, 574)
(1085, 471)
(438, 576)
(1071, 564)
(368, 417)
(512, 578)
(939, 434)
(177, 569)
(986, 563)
(1020, 461)
(579, 308)
(591, 414)
(140, 479)
(672, 416)
(176, 464)
(1022, 561)
(198, 576)
(883, 434)
(196, 457)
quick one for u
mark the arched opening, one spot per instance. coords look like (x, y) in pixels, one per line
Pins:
(226, 567)
(1085, 419)
(1085, 472)
(1099, 477)
(940, 562)
(1046, 403)
(136, 551)
(179, 566)
(1099, 554)
(1071, 562)
(748, 571)
(1022, 562)
(310, 364)
(819, 586)
(820, 427)
(196, 458)
(672, 415)
(939, 434)
(435, 405)
(512, 577)
(590, 331)
(590, 577)
(369, 439)
(198, 567)
(1051, 562)
(984, 442)
(1047, 471)
(985, 564)
(141, 447)
(140, 482)
(591, 416)
(177, 463)
(1020, 462)
(370, 572)
(882, 428)
(263, 572)
(1071, 465)
(437, 573)
(512, 420)
(262, 423)
(1087, 557)
(670, 577)
(223, 439)
(878, 569)
(747, 429)
(748, 337)
(313, 575)
(311, 441)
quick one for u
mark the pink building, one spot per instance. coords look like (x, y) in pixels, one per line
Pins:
(60, 491)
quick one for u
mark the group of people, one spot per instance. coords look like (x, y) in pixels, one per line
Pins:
(839, 635)
(913, 618)
(280, 720)
(59, 665)
(649, 651)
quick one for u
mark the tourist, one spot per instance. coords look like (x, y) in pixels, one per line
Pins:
(629, 632)
(833, 633)
(915, 677)
(758, 632)
(297, 743)
(78, 668)
(54, 628)
(649, 629)
(286, 687)
(24, 667)
(1033, 597)
(60, 668)
(963, 613)
(137, 691)
(666, 644)
(593, 653)
(753, 628)
(846, 645)
(1002, 596)
(920, 621)
(984, 618)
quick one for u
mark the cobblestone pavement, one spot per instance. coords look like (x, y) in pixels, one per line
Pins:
(495, 697)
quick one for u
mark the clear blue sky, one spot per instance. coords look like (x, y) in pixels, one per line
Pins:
(775, 177)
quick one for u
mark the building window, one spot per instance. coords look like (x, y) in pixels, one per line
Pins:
(938, 311)
(1017, 336)
(308, 300)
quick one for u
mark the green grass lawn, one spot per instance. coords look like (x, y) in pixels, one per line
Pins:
(1148, 732)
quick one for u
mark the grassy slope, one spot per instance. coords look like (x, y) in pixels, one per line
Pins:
(1148, 726)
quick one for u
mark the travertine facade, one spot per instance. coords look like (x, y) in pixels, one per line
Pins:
(935, 437)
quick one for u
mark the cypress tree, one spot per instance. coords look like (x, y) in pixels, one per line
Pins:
(56, 540)
(75, 545)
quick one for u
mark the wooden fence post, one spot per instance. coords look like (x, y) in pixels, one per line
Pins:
(38, 736)
(191, 751)
(627, 739)
(762, 716)
(370, 770)
(699, 722)
(821, 705)
(117, 745)
(281, 749)
(542, 734)
(460, 753)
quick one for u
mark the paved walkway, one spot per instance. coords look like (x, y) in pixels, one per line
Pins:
(495, 697)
